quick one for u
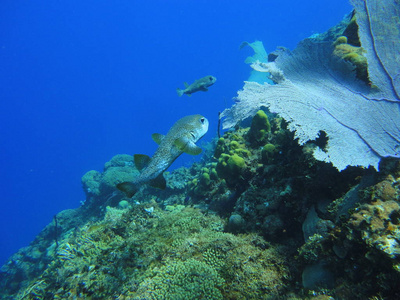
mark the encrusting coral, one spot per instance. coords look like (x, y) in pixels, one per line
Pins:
(378, 220)
(178, 254)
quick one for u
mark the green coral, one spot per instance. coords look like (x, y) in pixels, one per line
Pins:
(268, 152)
(231, 154)
(220, 148)
(230, 167)
(260, 129)
(340, 40)
(234, 145)
(213, 174)
(202, 182)
(354, 55)
(205, 178)
(242, 152)
(237, 160)
(236, 164)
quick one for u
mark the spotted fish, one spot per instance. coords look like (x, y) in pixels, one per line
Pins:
(180, 138)
(201, 84)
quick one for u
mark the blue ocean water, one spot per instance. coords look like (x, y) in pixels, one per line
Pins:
(82, 81)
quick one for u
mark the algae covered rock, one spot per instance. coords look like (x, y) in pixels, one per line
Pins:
(378, 221)
(91, 183)
(119, 169)
(236, 223)
(100, 186)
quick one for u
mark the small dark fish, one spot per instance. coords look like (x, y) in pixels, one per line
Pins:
(180, 138)
(201, 84)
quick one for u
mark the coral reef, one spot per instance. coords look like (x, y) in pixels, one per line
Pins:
(179, 254)
(285, 226)
(257, 218)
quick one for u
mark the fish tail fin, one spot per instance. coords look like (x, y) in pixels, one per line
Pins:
(179, 91)
(128, 188)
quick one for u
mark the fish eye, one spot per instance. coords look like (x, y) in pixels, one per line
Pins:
(202, 120)
(211, 78)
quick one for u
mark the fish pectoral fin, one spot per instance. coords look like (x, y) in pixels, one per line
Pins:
(186, 84)
(181, 143)
(192, 149)
(141, 161)
(187, 146)
(159, 182)
(204, 89)
(157, 137)
(128, 188)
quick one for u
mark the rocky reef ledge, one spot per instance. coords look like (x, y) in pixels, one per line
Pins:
(257, 218)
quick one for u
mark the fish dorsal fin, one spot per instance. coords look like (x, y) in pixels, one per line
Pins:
(187, 146)
(141, 161)
(157, 137)
(158, 182)
(186, 84)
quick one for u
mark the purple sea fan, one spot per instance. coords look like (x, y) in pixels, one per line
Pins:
(316, 91)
